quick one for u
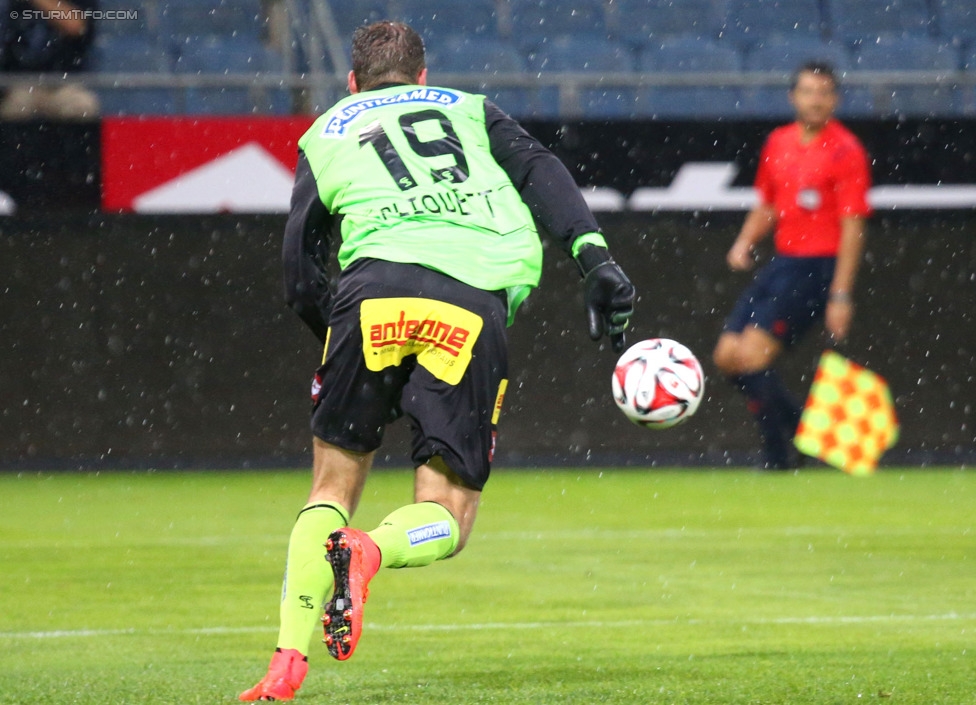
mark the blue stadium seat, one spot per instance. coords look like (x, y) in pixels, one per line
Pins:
(476, 55)
(689, 56)
(967, 94)
(535, 22)
(968, 60)
(145, 24)
(232, 56)
(906, 54)
(783, 57)
(861, 21)
(134, 54)
(956, 21)
(593, 56)
(117, 54)
(579, 54)
(485, 57)
(437, 20)
(192, 18)
(349, 14)
(911, 54)
(229, 55)
(787, 55)
(641, 22)
(748, 22)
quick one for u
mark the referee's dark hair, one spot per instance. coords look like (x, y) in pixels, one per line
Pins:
(385, 52)
(821, 68)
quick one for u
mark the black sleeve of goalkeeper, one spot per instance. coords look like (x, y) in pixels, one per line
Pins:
(305, 251)
(545, 185)
(607, 294)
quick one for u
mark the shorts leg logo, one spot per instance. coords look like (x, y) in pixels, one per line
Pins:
(499, 400)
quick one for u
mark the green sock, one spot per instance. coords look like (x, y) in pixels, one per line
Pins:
(308, 576)
(416, 535)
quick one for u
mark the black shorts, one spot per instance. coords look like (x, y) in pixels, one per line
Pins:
(787, 296)
(405, 340)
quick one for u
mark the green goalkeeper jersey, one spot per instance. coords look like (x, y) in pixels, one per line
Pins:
(410, 173)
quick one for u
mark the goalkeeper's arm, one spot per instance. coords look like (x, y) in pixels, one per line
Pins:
(543, 182)
(305, 251)
(554, 199)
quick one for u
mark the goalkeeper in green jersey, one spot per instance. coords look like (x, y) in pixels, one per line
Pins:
(430, 197)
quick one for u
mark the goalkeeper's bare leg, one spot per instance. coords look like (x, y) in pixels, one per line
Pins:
(339, 477)
(435, 527)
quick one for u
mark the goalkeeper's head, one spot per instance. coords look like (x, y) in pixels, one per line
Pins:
(386, 52)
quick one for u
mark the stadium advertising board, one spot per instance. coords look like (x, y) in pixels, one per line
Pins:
(245, 164)
(49, 166)
(161, 340)
(239, 165)
(191, 165)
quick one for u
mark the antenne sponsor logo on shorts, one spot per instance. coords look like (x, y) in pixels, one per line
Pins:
(429, 331)
(441, 335)
(431, 532)
(337, 124)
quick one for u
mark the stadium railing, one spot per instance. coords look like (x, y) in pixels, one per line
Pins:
(321, 90)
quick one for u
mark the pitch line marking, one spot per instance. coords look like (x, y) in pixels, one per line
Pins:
(488, 626)
(736, 533)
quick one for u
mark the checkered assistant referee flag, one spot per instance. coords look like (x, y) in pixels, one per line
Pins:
(848, 420)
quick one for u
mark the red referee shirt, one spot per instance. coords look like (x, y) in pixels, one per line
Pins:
(812, 186)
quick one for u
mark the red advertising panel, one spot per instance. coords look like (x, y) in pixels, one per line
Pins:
(199, 165)
(246, 164)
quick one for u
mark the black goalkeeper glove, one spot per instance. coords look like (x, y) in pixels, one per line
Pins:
(607, 294)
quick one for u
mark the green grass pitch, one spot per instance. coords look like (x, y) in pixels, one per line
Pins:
(578, 586)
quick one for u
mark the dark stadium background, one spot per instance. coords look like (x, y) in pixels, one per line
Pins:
(162, 341)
